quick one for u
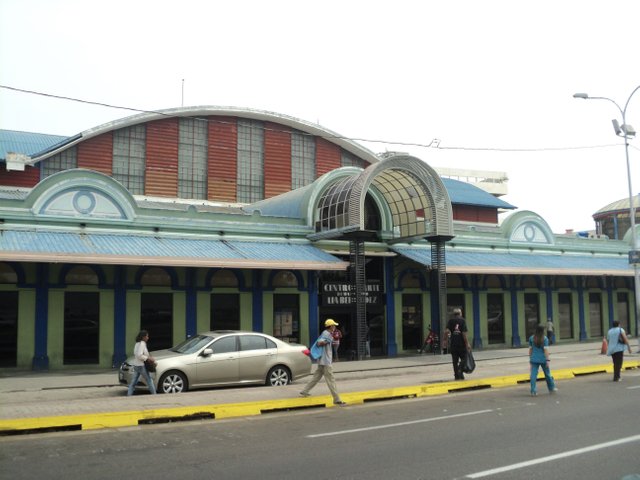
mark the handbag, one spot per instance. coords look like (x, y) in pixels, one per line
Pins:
(316, 350)
(469, 364)
(150, 365)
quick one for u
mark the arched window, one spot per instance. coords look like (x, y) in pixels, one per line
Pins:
(224, 278)
(156, 277)
(563, 282)
(285, 279)
(410, 280)
(493, 281)
(7, 274)
(81, 275)
(454, 281)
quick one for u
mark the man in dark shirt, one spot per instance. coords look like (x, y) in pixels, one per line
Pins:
(458, 343)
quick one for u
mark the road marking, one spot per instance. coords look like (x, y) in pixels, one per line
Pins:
(633, 388)
(401, 424)
(557, 456)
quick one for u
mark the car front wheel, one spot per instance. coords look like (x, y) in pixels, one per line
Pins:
(173, 382)
(279, 376)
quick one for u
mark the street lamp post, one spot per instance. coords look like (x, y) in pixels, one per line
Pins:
(626, 131)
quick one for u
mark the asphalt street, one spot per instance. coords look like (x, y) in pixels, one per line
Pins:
(588, 430)
(92, 399)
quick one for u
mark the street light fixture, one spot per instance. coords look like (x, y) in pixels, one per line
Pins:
(627, 132)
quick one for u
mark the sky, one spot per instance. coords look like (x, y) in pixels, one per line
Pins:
(491, 80)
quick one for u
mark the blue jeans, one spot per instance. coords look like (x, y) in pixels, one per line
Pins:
(551, 385)
(136, 376)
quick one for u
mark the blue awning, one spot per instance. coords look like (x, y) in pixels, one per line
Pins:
(511, 263)
(137, 249)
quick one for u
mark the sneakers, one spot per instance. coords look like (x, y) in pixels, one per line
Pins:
(304, 394)
(555, 390)
(340, 403)
(534, 394)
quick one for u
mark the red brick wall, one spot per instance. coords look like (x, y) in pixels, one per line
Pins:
(475, 214)
(277, 159)
(15, 178)
(222, 159)
(161, 177)
(328, 156)
(97, 153)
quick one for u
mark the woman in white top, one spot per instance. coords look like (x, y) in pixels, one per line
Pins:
(141, 354)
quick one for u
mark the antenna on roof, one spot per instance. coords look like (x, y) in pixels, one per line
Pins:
(182, 92)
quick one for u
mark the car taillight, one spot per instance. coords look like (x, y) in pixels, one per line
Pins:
(307, 352)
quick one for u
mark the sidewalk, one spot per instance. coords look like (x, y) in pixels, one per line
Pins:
(89, 399)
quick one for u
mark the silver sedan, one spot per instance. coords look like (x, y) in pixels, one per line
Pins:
(225, 357)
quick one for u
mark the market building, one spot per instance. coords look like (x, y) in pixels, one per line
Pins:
(201, 218)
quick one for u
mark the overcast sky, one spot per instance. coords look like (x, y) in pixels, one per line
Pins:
(492, 80)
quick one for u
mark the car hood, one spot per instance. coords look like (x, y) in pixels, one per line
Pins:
(157, 354)
(160, 354)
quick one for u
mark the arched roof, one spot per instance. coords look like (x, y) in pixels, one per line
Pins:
(618, 205)
(206, 111)
(414, 199)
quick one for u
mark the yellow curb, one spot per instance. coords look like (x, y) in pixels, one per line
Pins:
(93, 421)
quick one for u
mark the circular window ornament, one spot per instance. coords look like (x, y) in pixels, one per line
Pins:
(84, 202)
(529, 232)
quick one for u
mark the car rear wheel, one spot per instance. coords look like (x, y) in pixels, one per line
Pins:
(173, 382)
(279, 376)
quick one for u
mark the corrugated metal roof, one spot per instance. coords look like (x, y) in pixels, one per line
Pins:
(522, 263)
(50, 246)
(26, 143)
(462, 193)
(13, 193)
(618, 205)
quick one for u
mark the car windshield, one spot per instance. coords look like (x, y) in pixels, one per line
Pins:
(192, 344)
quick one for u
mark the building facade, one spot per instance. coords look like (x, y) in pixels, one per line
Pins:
(195, 219)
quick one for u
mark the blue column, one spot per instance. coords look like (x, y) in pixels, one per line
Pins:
(119, 317)
(515, 336)
(392, 347)
(610, 301)
(312, 291)
(581, 319)
(191, 314)
(257, 301)
(475, 299)
(41, 358)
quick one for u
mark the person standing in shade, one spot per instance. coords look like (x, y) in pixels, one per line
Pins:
(141, 354)
(539, 357)
(458, 344)
(617, 341)
(324, 368)
(550, 335)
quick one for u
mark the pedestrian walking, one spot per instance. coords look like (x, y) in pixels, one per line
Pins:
(324, 368)
(539, 358)
(141, 354)
(617, 341)
(335, 343)
(458, 343)
(550, 335)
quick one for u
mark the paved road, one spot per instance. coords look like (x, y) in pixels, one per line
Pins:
(62, 398)
(585, 431)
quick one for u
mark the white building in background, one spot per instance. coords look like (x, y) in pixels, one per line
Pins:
(490, 181)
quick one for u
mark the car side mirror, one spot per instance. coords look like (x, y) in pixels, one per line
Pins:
(207, 352)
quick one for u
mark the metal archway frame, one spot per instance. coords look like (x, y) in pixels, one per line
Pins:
(419, 208)
(417, 199)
